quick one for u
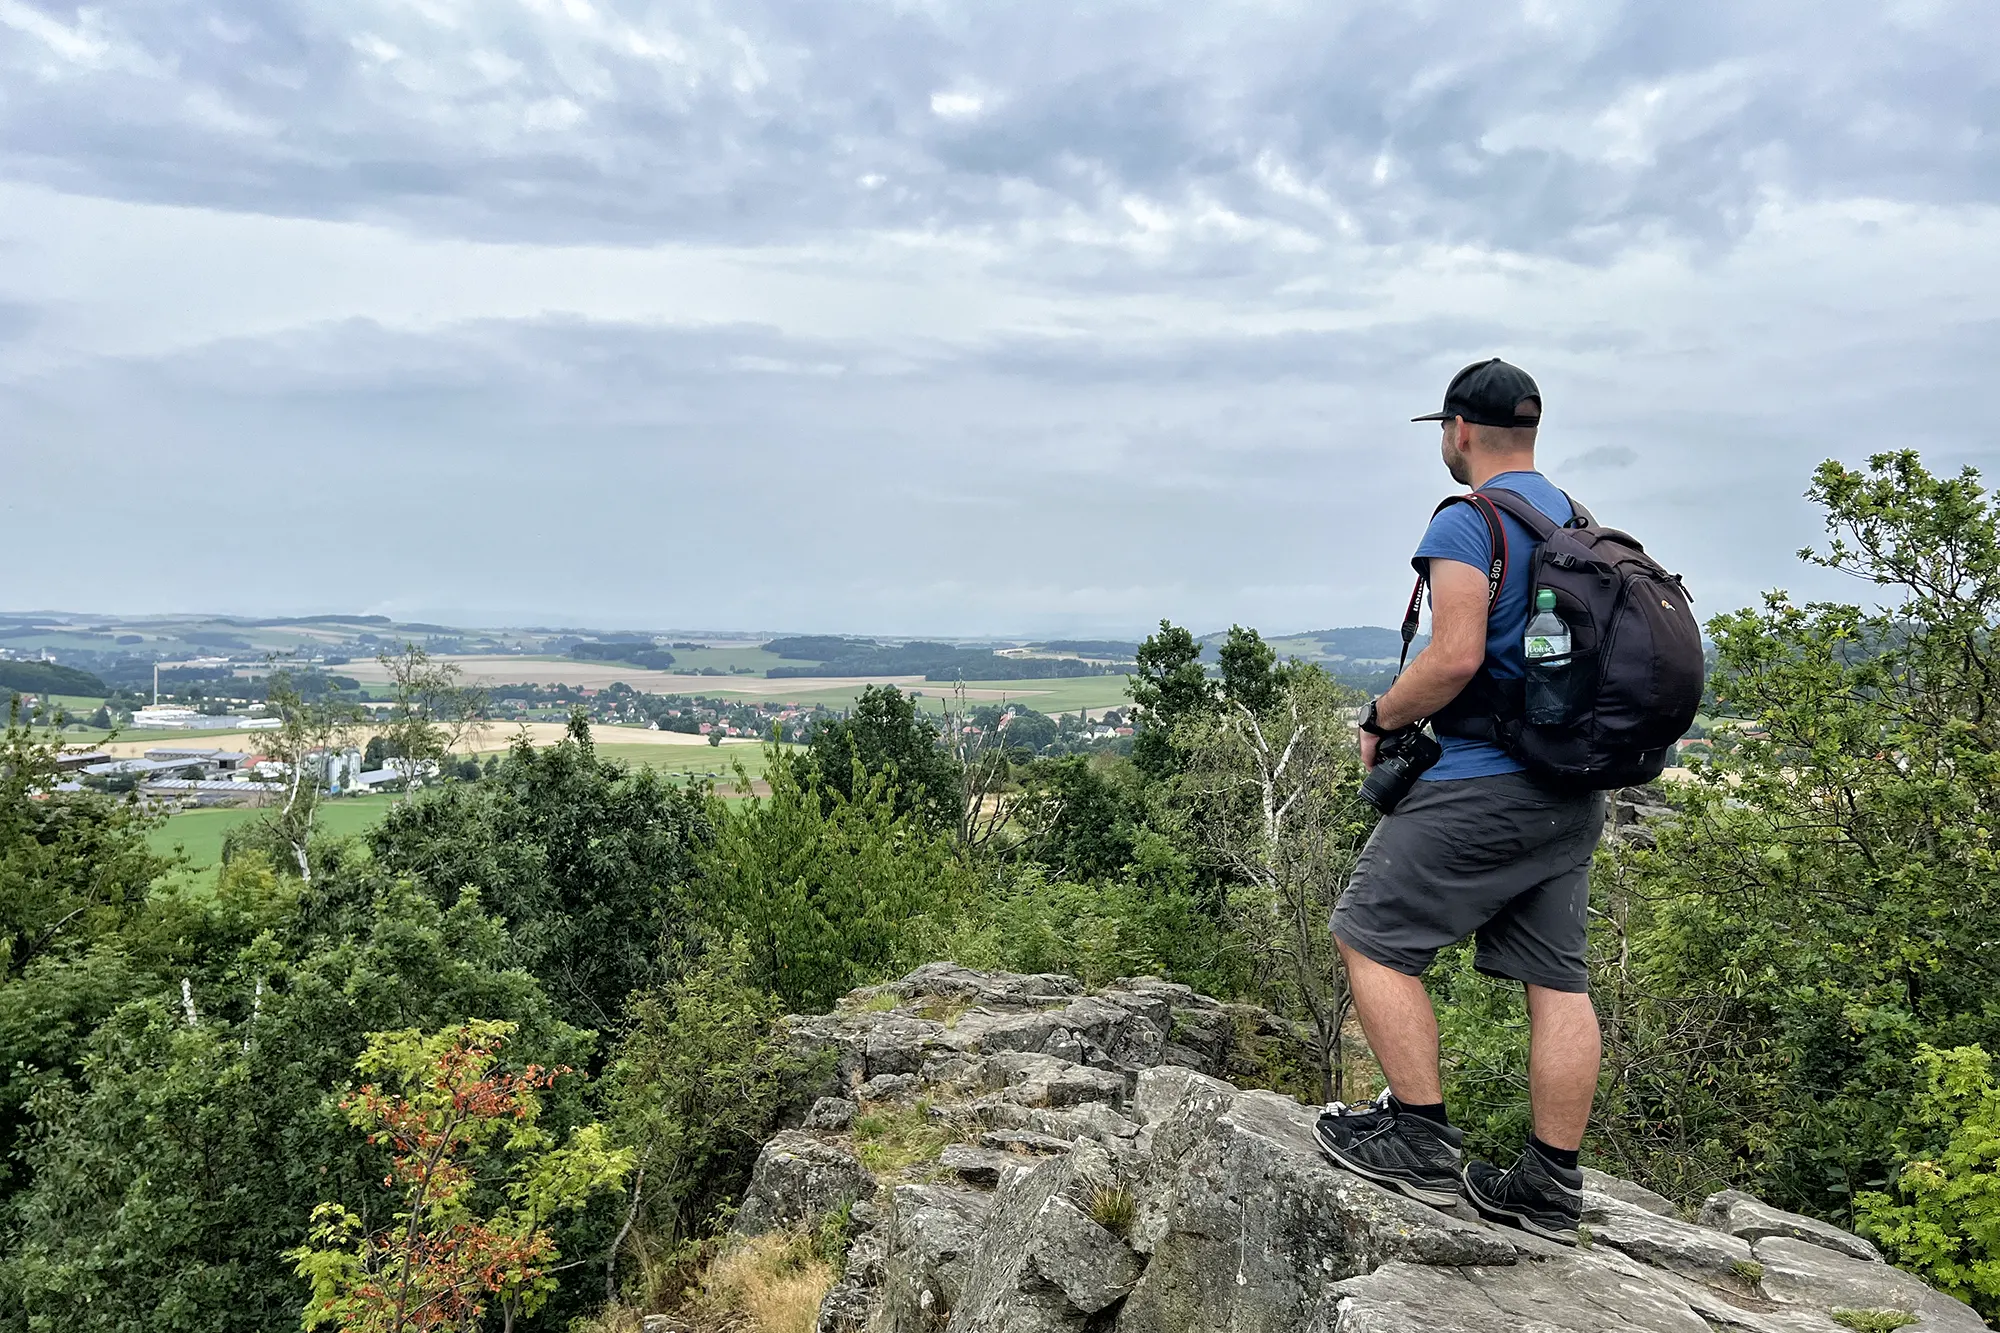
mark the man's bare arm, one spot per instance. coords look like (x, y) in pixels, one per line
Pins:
(1455, 653)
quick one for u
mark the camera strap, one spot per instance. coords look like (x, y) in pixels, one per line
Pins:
(1496, 568)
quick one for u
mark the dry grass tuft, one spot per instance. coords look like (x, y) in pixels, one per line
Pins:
(778, 1280)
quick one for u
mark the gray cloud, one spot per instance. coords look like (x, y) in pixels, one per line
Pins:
(956, 318)
(1559, 126)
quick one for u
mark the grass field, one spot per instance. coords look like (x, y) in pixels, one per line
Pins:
(198, 834)
(1064, 694)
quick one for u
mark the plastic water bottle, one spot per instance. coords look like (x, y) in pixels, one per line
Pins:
(1549, 666)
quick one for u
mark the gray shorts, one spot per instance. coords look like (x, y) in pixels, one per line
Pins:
(1496, 857)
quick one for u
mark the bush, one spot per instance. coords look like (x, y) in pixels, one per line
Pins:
(1943, 1222)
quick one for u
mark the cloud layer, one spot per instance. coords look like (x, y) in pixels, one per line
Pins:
(956, 318)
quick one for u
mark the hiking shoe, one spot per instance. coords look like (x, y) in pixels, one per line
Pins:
(1534, 1194)
(1407, 1153)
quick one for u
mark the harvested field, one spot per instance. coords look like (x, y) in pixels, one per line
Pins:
(1061, 694)
(509, 670)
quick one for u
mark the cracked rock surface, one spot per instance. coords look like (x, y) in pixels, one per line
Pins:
(1023, 1156)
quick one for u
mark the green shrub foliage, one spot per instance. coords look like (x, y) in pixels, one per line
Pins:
(1943, 1220)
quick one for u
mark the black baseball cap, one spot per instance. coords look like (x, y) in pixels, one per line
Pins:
(1490, 393)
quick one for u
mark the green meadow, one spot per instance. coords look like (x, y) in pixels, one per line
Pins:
(197, 834)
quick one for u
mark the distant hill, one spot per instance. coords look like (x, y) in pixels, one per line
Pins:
(48, 678)
(1356, 641)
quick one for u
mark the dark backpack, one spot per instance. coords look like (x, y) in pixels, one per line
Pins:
(1636, 664)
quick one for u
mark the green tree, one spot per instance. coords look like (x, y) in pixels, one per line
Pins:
(168, 1168)
(310, 731)
(1271, 795)
(1822, 903)
(823, 887)
(1944, 1221)
(1079, 816)
(456, 1126)
(884, 736)
(698, 1083)
(588, 861)
(431, 713)
(71, 866)
(1169, 687)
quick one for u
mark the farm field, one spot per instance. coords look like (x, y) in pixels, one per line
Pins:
(498, 736)
(717, 764)
(199, 833)
(1064, 694)
(132, 744)
(1061, 694)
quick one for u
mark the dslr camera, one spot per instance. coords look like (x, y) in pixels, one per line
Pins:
(1401, 757)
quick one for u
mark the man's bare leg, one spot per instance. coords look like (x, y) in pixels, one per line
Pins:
(1401, 1026)
(1565, 1049)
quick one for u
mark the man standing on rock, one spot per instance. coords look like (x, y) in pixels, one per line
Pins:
(1475, 848)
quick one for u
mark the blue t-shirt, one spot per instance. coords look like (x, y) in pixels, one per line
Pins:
(1460, 534)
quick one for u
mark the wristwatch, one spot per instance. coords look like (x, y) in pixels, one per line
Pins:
(1368, 722)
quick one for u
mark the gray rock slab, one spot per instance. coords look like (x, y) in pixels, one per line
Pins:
(1086, 1120)
(800, 1177)
(953, 982)
(982, 1166)
(1160, 1091)
(1006, 1291)
(1173, 992)
(1150, 1005)
(1798, 1272)
(1747, 1216)
(831, 1113)
(898, 1044)
(1575, 1294)
(1702, 1253)
(1025, 1141)
(1627, 1192)
(1249, 1227)
(901, 1088)
(1091, 1266)
(1043, 1080)
(933, 1231)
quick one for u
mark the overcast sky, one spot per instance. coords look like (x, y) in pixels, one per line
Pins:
(963, 318)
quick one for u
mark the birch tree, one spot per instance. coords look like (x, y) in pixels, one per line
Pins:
(434, 712)
(1272, 790)
(309, 733)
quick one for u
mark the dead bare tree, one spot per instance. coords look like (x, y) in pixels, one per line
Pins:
(1275, 799)
(981, 755)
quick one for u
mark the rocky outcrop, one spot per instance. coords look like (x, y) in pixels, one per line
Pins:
(1022, 1157)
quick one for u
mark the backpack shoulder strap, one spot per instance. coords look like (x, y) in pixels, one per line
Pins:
(1496, 567)
(1534, 520)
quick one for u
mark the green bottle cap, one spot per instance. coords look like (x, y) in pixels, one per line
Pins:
(1545, 599)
